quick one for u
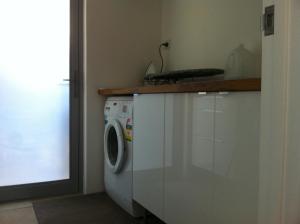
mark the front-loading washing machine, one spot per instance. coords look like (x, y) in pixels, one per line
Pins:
(118, 146)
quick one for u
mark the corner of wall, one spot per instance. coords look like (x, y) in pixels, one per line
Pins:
(119, 41)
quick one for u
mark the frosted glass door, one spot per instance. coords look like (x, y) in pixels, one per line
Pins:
(34, 91)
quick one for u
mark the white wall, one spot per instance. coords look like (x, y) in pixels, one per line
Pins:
(121, 38)
(292, 177)
(204, 32)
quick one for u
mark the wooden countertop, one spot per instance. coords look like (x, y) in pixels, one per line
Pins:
(205, 86)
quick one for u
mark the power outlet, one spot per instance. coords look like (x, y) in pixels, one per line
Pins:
(166, 44)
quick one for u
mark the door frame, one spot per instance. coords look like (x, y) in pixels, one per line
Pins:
(75, 183)
(274, 117)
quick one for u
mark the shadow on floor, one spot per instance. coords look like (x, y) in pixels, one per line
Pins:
(88, 209)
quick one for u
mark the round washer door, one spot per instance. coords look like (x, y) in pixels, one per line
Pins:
(114, 146)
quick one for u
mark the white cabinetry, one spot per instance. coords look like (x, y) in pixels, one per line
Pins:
(189, 185)
(206, 147)
(148, 152)
(236, 158)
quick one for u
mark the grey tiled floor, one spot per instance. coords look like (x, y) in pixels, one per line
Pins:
(17, 213)
(24, 213)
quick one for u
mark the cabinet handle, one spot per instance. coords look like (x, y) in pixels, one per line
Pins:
(223, 93)
(202, 93)
(219, 140)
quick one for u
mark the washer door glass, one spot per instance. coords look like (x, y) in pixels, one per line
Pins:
(114, 146)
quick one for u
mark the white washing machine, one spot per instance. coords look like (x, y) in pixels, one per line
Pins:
(118, 137)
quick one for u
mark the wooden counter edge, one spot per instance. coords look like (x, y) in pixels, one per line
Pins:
(205, 86)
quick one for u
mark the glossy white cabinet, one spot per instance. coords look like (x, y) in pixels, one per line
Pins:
(211, 162)
(148, 152)
(198, 160)
(189, 160)
(237, 125)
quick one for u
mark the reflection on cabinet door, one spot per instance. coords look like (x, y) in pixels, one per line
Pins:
(236, 158)
(148, 152)
(189, 144)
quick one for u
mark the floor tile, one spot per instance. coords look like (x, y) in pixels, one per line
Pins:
(15, 205)
(18, 216)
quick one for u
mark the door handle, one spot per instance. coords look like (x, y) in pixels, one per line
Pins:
(75, 84)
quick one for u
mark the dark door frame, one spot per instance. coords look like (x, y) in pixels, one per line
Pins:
(75, 183)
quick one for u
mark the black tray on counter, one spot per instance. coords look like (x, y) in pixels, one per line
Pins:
(174, 76)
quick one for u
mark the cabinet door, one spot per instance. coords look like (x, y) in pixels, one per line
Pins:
(236, 160)
(189, 144)
(148, 152)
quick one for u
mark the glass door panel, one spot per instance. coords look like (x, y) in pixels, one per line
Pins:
(34, 91)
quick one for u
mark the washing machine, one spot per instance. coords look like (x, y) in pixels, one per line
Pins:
(118, 146)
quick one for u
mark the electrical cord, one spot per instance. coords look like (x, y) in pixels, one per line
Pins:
(166, 44)
(161, 59)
